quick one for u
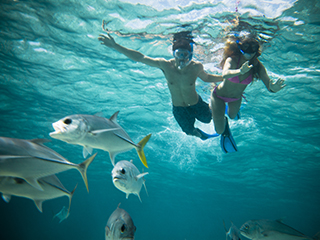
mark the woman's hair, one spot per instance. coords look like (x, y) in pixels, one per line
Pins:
(247, 45)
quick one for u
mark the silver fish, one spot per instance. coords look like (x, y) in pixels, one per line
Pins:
(51, 185)
(270, 230)
(91, 131)
(127, 178)
(31, 160)
(233, 233)
(63, 214)
(119, 226)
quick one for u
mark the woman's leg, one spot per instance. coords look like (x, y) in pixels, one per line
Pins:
(233, 108)
(218, 107)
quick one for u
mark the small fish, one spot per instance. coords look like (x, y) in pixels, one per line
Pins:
(31, 160)
(63, 214)
(119, 226)
(51, 185)
(233, 233)
(127, 178)
(270, 230)
(91, 131)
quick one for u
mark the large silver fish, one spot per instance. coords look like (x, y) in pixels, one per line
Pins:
(127, 178)
(119, 226)
(233, 233)
(270, 230)
(51, 185)
(91, 131)
(63, 214)
(31, 160)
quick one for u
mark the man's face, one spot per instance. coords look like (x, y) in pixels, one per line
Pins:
(183, 57)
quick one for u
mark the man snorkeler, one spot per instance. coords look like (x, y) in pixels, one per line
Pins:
(181, 73)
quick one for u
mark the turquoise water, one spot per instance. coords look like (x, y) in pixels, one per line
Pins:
(52, 65)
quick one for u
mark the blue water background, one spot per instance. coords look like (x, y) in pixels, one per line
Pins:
(52, 65)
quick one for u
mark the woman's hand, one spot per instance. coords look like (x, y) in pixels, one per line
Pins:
(277, 85)
(245, 68)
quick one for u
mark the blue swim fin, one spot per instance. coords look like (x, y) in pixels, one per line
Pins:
(205, 136)
(227, 142)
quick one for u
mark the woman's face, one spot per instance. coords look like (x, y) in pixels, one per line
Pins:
(249, 50)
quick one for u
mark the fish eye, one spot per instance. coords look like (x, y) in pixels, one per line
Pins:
(246, 226)
(18, 180)
(123, 228)
(123, 171)
(67, 121)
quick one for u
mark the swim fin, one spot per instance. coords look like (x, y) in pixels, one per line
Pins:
(205, 136)
(227, 142)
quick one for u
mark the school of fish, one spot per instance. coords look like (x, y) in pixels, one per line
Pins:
(28, 168)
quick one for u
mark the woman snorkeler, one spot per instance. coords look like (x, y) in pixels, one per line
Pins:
(240, 65)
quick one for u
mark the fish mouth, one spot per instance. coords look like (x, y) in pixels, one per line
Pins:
(117, 178)
(58, 129)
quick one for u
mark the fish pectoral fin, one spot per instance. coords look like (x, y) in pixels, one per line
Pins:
(34, 183)
(112, 157)
(97, 132)
(40, 141)
(145, 188)
(38, 203)
(86, 151)
(138, 195)
(6, 198)
(141, 175)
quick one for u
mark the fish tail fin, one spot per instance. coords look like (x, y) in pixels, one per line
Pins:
(140, 151)
(70, 198)
(83, 169)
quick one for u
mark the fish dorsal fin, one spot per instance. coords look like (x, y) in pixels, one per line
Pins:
(6, 198)
(141, 175)
(224, 225)
(39, 141)
(99, 114)
(280, 220)
(113, 118)
(34, 183)
(38, 203)
(86, 151)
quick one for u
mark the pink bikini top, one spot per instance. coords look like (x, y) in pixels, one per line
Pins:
(236, 79)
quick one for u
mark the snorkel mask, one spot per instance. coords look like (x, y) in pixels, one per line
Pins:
(182, 48)
(247, 50)
(183, 57)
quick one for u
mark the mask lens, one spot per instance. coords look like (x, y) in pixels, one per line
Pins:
(181, 54)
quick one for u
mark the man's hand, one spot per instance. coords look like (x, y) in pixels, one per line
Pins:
(106, 39)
